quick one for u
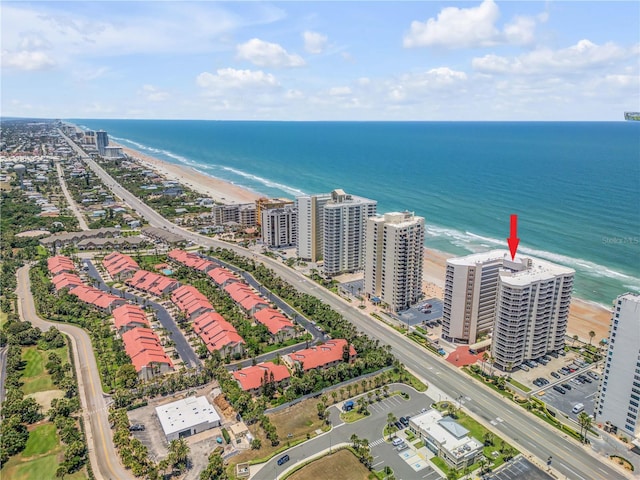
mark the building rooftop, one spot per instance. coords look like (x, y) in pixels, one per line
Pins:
(447, 432)
(186, 413)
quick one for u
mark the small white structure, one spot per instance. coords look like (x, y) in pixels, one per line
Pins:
(187, 417)
(446, 438)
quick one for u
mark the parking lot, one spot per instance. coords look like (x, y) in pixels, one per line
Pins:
(425, 312)
(519, 469)
(584, 394)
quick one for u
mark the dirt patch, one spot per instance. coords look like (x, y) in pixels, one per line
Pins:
(224, 408)
(343, 465)
(45, 398)
(297, 420)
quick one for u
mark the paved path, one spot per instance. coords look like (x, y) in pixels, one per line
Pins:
(102, 453)
(523, 430)
(70, 201)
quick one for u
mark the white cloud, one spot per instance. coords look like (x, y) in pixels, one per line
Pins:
(456, 28)
(227, 79)
(27, 60)
(472, 27)
(293, 94)
(413, 87)
(153, 94)
(583, 55)
(314, 42)
(339, 91)
(267, 54)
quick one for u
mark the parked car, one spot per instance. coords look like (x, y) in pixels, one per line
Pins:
(542, 361)
(564, 371)
(562, 352)
(136, 427)
(593, 375)
(559, 389)
(404, 421)
(524, 367)
(555, 374)
(402, 446)
(554, 354)
(566, 386)
(398, 425)
(396, 442)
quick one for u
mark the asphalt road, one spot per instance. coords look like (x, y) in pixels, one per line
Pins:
(526, 432)
(72, 204)
(183, 348)
(3, 372)
(102, 453)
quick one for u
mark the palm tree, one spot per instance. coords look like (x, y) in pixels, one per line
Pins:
(575, 337)
(591, 335)
(585, 422)
(391, 419)
(485, 357)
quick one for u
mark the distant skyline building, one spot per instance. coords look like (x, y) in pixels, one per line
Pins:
(394, 244)
(618, 399)
(311, 226)
(102, 141)
(267, 203)
(345, 220)
(280, 226)
(523, 303)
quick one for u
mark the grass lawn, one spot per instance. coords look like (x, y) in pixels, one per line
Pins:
(35, 363)
(35, 376)
(42, 439)
(18, 468)
(3, 318)
(522, 387)
(343, 465)
(352, 416)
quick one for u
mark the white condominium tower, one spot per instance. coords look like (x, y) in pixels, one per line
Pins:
(532, 311)
(524, 303)
(311, 225)
(618, 399)
(280, 226)
(393, 258)
(345, 220)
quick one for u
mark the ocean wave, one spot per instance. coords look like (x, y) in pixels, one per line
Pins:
(264, 181)
(168, 153)
(477, 243)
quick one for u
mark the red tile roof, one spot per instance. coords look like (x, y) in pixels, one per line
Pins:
(117, 263)
(273, 320)
(95, 297)
(129, 315)
(143, 346)
(321, 355)
(191, 260)
(60, 264)
(221, 275)
(215, 331)
(242, 294)
(252, 377)
(189, 300)
(151, 282)
(66, 280)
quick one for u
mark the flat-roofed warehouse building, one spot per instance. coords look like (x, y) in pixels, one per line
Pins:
(187, 417)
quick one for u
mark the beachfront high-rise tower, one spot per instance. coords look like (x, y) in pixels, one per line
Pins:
(102, 141)
(532, 310)
(311, 225)
(618, 400)
(522, 303)
(345, 220)
(394, 245)
(280, 226)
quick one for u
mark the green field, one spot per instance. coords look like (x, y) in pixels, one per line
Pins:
(20, 468)
(35, 376)
(42, 439)
(3, 318)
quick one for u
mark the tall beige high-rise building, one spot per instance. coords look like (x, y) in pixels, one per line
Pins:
(394, 244)
(280, 226)
(618, 400)
(523, 304)
(311, 225)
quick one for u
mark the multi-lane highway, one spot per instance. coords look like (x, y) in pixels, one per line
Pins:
(102, 453)
(529, 434)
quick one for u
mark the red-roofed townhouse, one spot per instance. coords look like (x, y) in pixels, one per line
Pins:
(251, 379)
(222, 277)
(147, 355)
(321, 356)
(98, 298)
(150, 282)
(120, 266)
(60, 264)
(218, 334)
(191, 260)
(190, 301)
(244, 296)
(280, 327)
(128, 316)
(66, 280)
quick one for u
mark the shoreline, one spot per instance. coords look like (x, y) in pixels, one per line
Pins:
(584, 316)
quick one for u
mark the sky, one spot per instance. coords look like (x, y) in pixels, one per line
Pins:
(331, 60)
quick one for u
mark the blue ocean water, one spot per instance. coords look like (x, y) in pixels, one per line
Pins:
(574, 185)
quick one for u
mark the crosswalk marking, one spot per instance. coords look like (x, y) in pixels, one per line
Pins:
(376, 442)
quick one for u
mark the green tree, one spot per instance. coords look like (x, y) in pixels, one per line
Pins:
(591, 335)
(391, 419)
(127, 377)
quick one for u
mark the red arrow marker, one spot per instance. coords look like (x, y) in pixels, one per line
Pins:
(513, 239)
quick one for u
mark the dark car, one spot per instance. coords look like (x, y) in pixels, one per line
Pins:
(136, 427)
(566, 386)
(555, 374)
(559, 389)
(284, 459)
(554, 354)
(398, 425)
(584, 378)
(404, 421)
